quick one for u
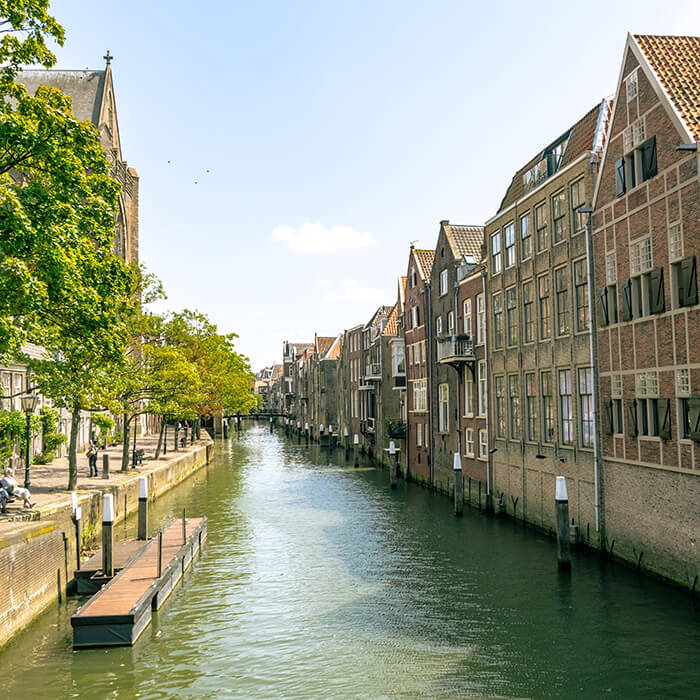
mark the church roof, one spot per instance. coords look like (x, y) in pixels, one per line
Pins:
(84, 87)
(676, 62)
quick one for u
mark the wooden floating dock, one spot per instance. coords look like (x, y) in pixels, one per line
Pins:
(90, 579)
(120, 611)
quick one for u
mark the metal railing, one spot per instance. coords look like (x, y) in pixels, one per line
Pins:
(454, 347)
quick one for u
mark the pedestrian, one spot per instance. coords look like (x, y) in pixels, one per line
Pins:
(91, 454)
(9, 483)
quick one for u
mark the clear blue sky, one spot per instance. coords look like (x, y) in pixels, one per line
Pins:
(310, 142)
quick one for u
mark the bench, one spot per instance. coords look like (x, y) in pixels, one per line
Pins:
(137, 457)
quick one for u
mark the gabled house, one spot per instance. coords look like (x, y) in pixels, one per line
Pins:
(415, 331)
(646, 235)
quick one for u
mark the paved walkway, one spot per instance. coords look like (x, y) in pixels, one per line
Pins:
(50, 481)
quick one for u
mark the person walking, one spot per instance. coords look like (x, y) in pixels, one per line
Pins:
(91, 454)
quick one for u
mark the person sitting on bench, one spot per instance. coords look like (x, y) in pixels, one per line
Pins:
(9, 483)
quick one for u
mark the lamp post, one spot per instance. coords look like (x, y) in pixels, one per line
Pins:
(28, 405)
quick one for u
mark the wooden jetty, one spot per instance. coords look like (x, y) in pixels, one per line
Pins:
(120, 611)
(90, 579)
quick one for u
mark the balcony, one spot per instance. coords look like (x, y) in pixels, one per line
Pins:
(455, 349)
(396, 429)
(373, 372)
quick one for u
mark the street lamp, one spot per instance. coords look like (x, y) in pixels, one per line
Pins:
(29, 403)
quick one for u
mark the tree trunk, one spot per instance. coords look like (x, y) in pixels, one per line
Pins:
(73, 449)
(125, 444)
(160, 438)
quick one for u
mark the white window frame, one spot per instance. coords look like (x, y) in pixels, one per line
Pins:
(443, 282)
(483, 445)
(443, 407)
(480, 319)
(469, 442)
(467, 317)
(482, 395)
(468, 394)
(632, 85)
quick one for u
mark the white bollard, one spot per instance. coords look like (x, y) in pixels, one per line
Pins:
(561, 504)
(107, 534)
(143, 509)
(459, 484)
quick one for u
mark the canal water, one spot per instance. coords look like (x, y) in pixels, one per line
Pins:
(318, 581)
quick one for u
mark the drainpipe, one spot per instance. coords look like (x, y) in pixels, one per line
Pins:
(457, 369)
(429, 358)
(593, 348)
(486, 390)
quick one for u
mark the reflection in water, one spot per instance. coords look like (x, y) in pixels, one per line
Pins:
(317, 580)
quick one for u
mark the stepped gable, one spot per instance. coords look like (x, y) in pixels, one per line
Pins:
(676, 62)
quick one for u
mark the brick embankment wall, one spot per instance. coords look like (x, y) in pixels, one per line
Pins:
(38, 558)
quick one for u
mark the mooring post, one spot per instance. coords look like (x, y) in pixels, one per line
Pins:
(346, 442)
(107, 534)
(356, 450)
(393, 465)
(561, 503)
(459, 484)
(160, 554)
(143, 508)
(306, 433)
(331, 439)
(270, 424)
(184, 527)
(320, 433)
(105, 466)
(77, 515)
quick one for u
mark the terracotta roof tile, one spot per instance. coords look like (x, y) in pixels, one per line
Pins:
(391, 327)
(323, 344)
(334, 351)
(425, 261)
(465, 240)
(676, 62)
(581, 137)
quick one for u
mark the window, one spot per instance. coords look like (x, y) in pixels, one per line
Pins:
(398, 364)
(675, 242)
(685, 282)
(419, 434)
(566, 407)
(438, 325)
(480, 319)
(443, 282)
(631, 86)
(500, 407)
(413, 277)
(514, 400)
(483, 445)
(498, 320)
(481, 389)
(561, 285)
(528, 313)
(643, 293)
(410, 350)
(647, 392)
(577, 195)
(558, 216)
(467, 317)
(581, 292)
(469, 442)
(451, 322)
(683, 393)
(639, 162)
(547, 408)
(615, 415)
(415, 317)
(531, 407)
(610, 268)
(525, 237)
(468, 393)
(545, 310)
(511, 316)
(509, 234)
(443, 407)
(419, 395)
(585, 395)
(496, 253)
(541, 227)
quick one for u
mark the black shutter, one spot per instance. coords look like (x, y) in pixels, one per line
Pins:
(631, 418)
(688, 288)
(620, 177)
(627, 300)
(649, 158)
(694, 419)
(609, 424)
(663, 418)
(656, 291)
(612, 303)
(604, 317)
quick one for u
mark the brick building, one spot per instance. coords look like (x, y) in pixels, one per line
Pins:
(457, 247)
(539, 355)
(646, 232)
(416, 331)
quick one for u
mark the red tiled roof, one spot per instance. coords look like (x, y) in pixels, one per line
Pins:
(465, 240)
(323, 344)
(425, 260)
(334, 351)
(391, 327)
(676, 62)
